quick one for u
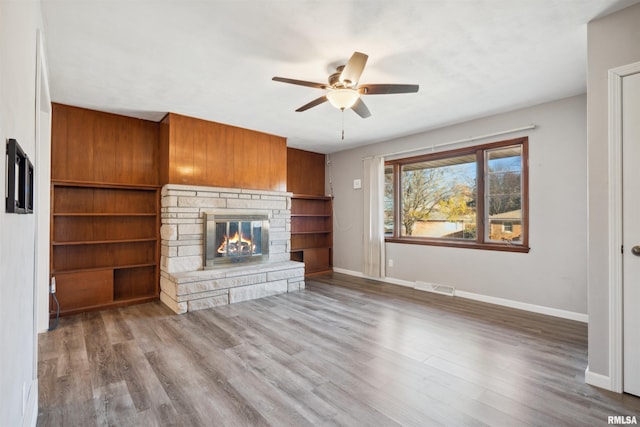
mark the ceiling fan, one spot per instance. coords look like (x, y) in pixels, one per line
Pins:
(343, 90)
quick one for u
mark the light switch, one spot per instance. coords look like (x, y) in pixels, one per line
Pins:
(357, 184)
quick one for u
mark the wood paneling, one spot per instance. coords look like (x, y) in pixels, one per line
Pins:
(95, 200)
(163, 151)
(59, 124)
(206, 153)
(84, 289)
(102, 255)
(103, 228)
(300, 242)
(316, 260)
(131, 283)
(92, 146)
(305, 172)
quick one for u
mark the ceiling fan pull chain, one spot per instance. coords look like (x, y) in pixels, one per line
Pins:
(343, 124)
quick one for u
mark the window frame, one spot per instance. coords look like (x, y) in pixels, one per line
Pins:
(481, 241)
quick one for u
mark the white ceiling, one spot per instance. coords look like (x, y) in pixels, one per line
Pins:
(215, 59)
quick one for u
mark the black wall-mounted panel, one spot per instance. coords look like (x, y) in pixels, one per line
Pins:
(20, 180)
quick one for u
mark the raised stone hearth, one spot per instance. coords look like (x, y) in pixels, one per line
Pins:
(209, 288)
(185, 285)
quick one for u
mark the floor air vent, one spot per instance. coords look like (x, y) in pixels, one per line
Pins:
(432, 287)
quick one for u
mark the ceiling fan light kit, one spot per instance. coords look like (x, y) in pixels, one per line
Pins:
(343, 91)
(343, 98)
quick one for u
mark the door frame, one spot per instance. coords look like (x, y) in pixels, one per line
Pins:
(42, 187)
(615, 223)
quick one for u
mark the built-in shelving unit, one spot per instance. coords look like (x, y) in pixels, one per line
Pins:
(311, 211)
(312, 232)
(104, 244)
(105, 209)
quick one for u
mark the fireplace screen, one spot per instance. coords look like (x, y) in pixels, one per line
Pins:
(237, 238)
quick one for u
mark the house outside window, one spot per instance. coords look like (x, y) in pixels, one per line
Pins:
(507, 227)
(474, 197)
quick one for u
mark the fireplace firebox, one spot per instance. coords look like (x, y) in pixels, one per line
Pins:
(235, 239)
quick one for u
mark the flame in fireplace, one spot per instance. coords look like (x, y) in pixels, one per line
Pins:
(238, 244)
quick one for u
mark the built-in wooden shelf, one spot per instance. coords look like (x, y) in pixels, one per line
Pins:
(311, 211)
(144, 298)
(95, 184)
(312, 197)
(312, 232)
(113, 304)
(104, 244)
(91, 214)
(120, 267)
(311, 247)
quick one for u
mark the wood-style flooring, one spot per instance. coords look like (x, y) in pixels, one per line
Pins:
(345, 351)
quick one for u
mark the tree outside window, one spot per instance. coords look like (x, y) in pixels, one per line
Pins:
(504, 194)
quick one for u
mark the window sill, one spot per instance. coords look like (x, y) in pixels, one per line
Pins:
(504, 247)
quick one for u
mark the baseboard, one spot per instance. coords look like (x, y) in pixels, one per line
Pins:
(30, 418)
(379, 279)
(564, 314)
(349, 272)
(597, 380)
(540, 309)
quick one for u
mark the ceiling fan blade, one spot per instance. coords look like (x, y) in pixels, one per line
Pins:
(313, 103)
(385, 89)
(300, 82)
(353, 69)
(361, 109)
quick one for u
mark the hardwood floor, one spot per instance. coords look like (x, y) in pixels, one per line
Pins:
(345, 351)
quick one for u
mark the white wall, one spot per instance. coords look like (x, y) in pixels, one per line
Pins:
(18, 374)
(613, 41)
(553, 273)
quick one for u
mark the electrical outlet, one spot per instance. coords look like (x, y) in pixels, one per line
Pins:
(53, 285)
(357, 184)
(390, 263)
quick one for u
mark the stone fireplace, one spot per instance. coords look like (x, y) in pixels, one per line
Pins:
(224, 245)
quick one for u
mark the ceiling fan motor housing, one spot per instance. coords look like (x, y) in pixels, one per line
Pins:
(334, 79)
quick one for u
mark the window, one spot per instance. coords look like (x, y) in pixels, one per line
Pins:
(472, 197)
